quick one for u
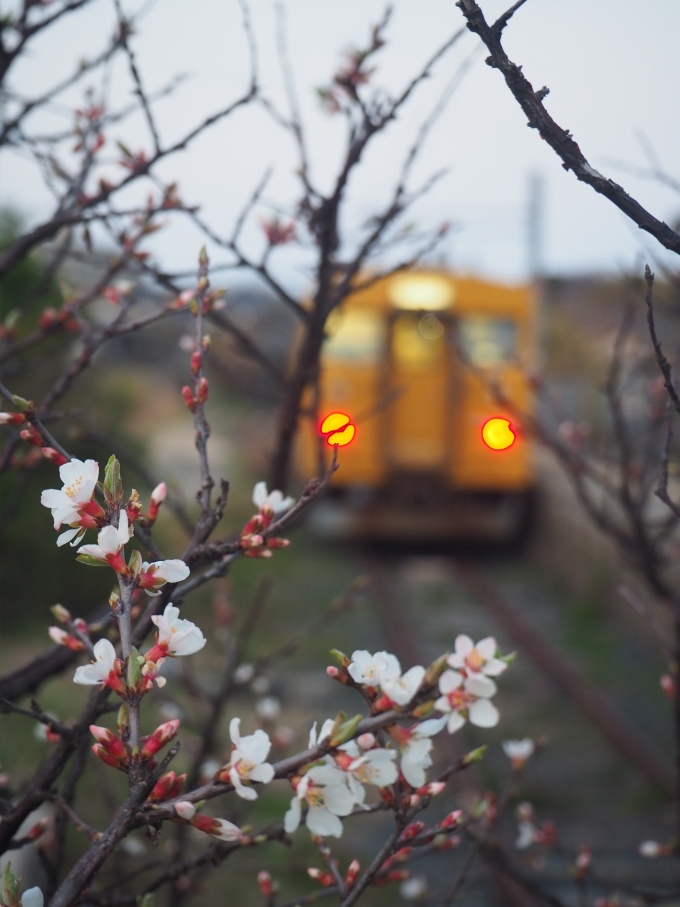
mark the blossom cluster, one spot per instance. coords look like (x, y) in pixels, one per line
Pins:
(75, 506)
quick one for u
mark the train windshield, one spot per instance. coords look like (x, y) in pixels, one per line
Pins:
(357, 336)
(488, 342)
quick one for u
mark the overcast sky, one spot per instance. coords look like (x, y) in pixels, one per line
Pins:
(611, 66)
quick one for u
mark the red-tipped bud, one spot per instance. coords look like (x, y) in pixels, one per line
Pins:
(81, 626)
(31, 436)
(278, 543)
(189, 399)
(398, 875)
(62, 638)
(432, 789)
(37, 830)
(667, 685)
(203, 390)
(196, 362)
(163, 734)
(452, 820)
(12, 418)
(167, 787)
(323, 878)
(337, 674)
(264, 881)
(108, 747)
(382, 704)
(54, 456)
(352, 873)
(412, 831)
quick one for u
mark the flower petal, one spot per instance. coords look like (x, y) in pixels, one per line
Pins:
(322, 822)
(480, 685)
(292, 818)
(484, 713)
(450, 681)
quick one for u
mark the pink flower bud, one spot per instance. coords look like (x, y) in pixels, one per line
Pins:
(412, 831)
(31, 436)
(352, 873)
(167, 787)
(264, 880)
(337, 674)
(667, 685)
(454, 818)
(367, 741)
(189, 399)
(159, 493)
(163, 734)
(432, 789)
(203, 390)
(54, 456)
(323, 878)
(62, 638)
(195, 362)
(278, 543)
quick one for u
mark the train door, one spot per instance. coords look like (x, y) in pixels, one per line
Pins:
(420, 375)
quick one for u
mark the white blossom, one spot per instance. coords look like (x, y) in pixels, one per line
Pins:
(650, 849)
(177, 636)
(467, 698)
(268, 708)
(413, 889)
(518, 751)
(366, 668)
(273, 501)
(80, 480)
(110, 541)
(401, 689)
(415, 754)
(247, 762)
(158, 573)
(32, 897)
(244, 673)
(377, 766)
(100, 669)
(325, 790)
(477, 659)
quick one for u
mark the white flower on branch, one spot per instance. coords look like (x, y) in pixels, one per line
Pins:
(324, 789)
(73, 503)
(247, 762)
(415, 753)
(110, 543)
(477, 659)
(175, 636)
(106, 668)
(157, 574)
(467, 698)
(401, 688)
(366, 669)
(376, 766)
(272, 502)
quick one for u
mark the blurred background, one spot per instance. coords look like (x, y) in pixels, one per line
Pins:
(586, 678)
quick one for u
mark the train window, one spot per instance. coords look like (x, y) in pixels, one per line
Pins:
(488, 342)
(356, 335)
(417, 340)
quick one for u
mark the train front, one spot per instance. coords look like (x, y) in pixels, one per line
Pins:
(426, 375)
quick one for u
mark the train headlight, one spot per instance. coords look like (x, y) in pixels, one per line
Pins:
(497, 434)
(338, 429)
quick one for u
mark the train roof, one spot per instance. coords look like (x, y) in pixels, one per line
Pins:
(440, 290)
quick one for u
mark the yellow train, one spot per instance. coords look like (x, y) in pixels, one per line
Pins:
(410, 362)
